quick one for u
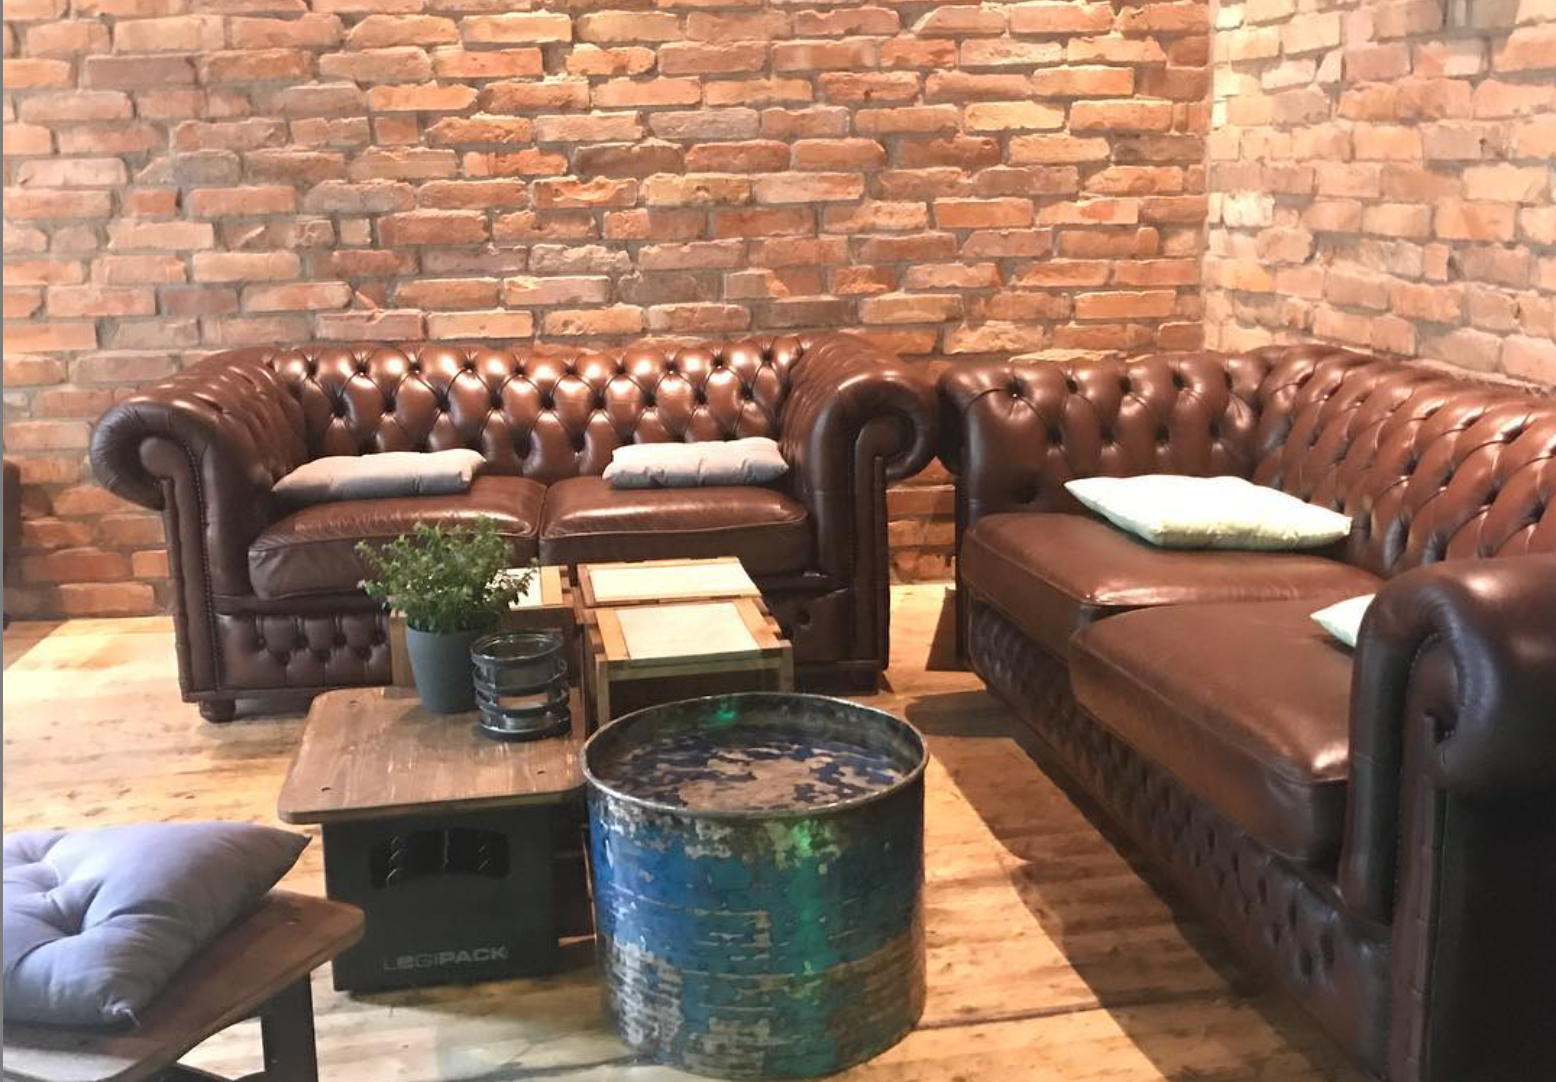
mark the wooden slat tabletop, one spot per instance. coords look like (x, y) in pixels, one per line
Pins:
(374, 752)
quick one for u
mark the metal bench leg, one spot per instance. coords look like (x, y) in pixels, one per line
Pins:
(286, 1030)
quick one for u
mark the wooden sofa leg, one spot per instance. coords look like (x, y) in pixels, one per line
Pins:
(286, 1030)
(218, 711)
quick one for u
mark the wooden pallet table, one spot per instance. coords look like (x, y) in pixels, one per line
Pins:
(464, 852)
(678, 650)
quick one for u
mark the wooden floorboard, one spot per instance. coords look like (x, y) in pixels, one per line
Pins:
(1050, 957)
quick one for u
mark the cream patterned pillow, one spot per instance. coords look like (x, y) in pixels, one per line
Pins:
(1209, 512)
(1343, 618)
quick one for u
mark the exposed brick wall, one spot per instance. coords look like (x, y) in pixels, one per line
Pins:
(185, 175)
(1382, 176)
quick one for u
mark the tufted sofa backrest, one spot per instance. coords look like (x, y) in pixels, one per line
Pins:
(1016, 433)
(1430, 466)
(541, 414)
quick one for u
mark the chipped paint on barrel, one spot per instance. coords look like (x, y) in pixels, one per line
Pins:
(774, 937)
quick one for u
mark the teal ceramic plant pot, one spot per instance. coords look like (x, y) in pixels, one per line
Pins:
(440, 662)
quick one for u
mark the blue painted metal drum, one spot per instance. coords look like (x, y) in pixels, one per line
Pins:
(758, 866)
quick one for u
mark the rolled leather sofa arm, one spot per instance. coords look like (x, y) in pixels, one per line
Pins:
(1472, 645)
(845, 390)
(216, 436)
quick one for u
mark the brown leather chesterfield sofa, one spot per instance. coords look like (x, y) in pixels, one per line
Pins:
(1376, 831)
(266, 599)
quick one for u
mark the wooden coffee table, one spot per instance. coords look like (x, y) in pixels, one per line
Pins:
(465, 853)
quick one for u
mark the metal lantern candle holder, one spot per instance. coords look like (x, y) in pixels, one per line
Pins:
(758, 869)
(521, 684)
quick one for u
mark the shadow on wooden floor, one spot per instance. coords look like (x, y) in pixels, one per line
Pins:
(1030, 802)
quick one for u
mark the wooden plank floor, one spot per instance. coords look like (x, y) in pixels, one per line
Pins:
(1049, 957)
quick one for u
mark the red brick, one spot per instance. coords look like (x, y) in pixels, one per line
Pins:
(635, 93)
(393, 65)
(517, 28)
(755, 26)
(698, 318)
(838, 154)
(370, 325)
(570, 322)
(764, 222)
(33, 74)
(472, 194)
(74, 106)
(757, 91)
(1134, 114)
(808, 188)
(697, 189)
(307, 31)
(599, 192)
(296, 297)
(910, 308)
(177, 34)
(1459, 220)
(983, 213)
(1061, 17)
(626, 60)
(755, 156)
(479, 129)
(1013, 116)
(127, 234)
(45, 435)
(245, 266)
(447, 293)
(624, 27)
(681, 58)
(41, 204)
(256, 66)
(385, 31)
(428, 97)
(66, 302)
(144, 72)
(487, 63)
(523, 96)
(545, 292)
(432, 227)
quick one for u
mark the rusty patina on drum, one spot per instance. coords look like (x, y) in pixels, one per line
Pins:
(758, 870)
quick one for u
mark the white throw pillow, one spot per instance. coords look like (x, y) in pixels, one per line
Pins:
(377, 476)
(754, 460)
(1343, 619)
(1209, 512)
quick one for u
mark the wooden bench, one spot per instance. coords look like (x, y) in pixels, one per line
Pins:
(260, 966)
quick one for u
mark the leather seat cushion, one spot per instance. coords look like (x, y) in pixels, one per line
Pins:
(1248, 705)
(313, 551)
(1053, 574)
(587, 520)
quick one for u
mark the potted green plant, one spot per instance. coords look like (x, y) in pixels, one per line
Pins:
(452, 586)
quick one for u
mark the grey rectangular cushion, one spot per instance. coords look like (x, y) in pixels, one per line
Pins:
(755, 460)
(382, 475)
(98, 921)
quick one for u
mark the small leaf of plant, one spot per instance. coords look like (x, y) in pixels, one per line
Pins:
(445, 580)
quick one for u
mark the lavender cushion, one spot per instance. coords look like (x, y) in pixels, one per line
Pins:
(97, 921)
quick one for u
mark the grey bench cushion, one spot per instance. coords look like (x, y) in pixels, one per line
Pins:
(97, 921)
